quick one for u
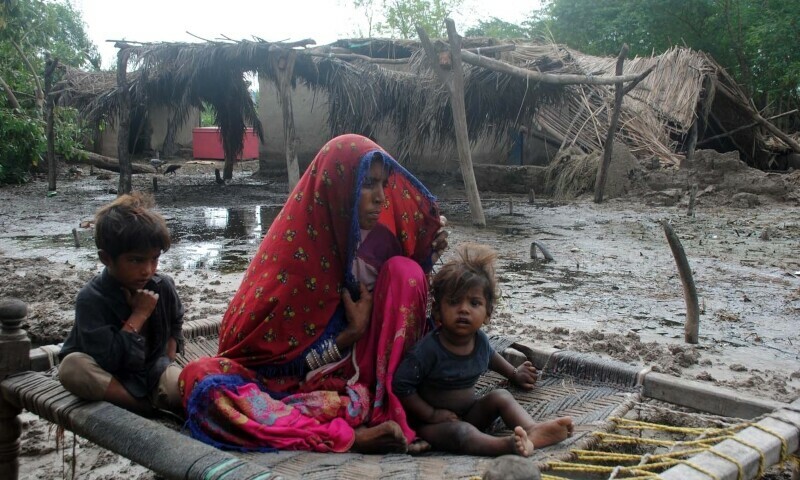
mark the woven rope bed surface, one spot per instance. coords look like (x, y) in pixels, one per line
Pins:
(586, 388)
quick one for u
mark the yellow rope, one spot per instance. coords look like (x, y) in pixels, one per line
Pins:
(639, 425)
(699, 469)
(679, 450)
(739, 466)
(784, 445)
(762, 459)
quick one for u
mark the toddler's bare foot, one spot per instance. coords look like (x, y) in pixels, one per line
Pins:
(418, 446)
(548, 433)
(384, 438)
(522, 444)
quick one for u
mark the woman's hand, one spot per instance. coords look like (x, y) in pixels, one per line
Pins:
(440, 241)
(358, 315)
(526, 376)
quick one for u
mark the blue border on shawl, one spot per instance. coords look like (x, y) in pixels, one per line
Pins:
(198, 406)
(365, 162)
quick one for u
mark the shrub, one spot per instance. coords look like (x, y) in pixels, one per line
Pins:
(22, 144)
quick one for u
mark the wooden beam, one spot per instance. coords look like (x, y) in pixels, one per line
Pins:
(106, 163)
(600, 181)
(454, 83)
(49, 112)
(552, 78)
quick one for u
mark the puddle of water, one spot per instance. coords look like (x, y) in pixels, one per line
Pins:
(216, 239)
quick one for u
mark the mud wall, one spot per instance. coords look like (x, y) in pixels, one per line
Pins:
(311, 127)
(158, 118)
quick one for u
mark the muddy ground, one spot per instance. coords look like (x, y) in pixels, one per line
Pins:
(612, 289)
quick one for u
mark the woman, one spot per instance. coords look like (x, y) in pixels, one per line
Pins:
(333, 298)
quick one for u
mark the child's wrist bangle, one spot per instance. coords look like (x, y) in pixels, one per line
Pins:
(514, 372)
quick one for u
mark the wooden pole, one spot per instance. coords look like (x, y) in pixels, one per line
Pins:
(284, 67)
(49, 111)
(15, 349)
(123, 134)
(454, 83)
(600, 181)
(565, 79)
(692, 327)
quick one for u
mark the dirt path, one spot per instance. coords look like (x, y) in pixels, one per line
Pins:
(613, 288)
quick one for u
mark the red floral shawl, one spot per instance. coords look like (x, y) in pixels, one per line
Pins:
(289, 298)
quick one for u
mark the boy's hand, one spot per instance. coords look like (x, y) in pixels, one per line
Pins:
(526, 376)
(441, 415)
(142, 302)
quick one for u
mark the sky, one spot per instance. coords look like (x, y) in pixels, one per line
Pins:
(323, 20)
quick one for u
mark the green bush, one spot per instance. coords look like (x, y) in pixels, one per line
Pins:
(22, 144)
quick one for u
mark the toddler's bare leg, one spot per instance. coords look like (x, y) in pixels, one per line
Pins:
(462, 437)
(500, 403)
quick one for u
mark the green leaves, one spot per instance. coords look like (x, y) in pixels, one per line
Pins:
(755, 40)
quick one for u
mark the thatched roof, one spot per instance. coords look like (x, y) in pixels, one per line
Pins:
(364, 95)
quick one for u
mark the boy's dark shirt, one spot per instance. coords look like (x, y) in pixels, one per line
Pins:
(428, 363)
(137, 361)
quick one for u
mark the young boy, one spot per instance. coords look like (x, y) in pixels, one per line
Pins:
(128, 319)
(436, 380)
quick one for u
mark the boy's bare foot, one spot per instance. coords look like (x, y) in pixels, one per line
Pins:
(384, 438)
(418, 446)
(522, 444)
(548, 433)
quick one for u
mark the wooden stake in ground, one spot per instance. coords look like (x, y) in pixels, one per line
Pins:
(692, 198)
(454, 83)
(284, 67)
(600, 181)
(692, 327)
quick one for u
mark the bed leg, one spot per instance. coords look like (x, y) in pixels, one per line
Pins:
(15, 349)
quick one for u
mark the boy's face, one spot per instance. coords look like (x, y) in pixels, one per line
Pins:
(132, 269)
(463, 317)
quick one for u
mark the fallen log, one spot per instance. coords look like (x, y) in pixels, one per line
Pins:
(106, 163)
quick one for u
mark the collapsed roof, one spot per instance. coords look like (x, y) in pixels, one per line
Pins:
(371, 83)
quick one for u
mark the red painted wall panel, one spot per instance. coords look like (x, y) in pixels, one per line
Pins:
(207, 144)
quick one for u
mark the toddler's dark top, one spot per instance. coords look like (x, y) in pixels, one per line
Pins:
(428, 363)
(136, 360)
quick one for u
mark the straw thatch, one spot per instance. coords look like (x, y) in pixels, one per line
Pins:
(363, 96)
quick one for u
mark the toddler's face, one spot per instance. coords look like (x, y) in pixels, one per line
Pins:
(464, 316)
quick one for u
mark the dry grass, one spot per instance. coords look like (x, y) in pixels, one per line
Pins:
(572, 173)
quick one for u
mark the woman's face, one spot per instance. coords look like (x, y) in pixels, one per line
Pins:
(372, 196)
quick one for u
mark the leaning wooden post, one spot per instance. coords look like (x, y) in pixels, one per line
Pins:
(454, 83)
(600, 181)
(283, 62)
(692, 327)
(124, 125)
(15, 349)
